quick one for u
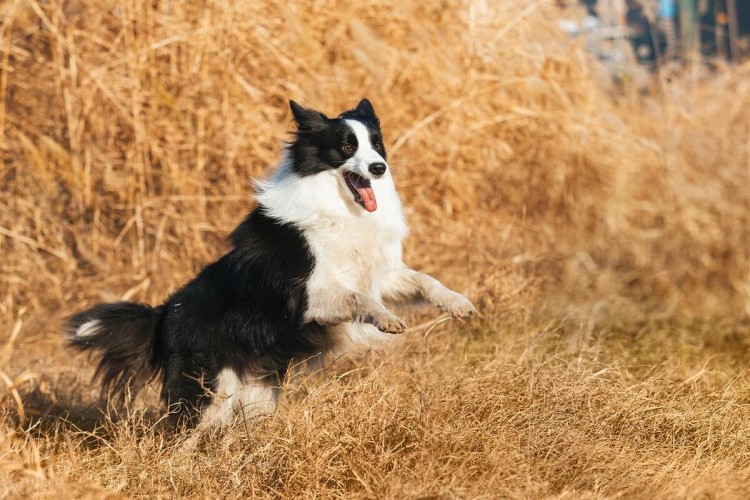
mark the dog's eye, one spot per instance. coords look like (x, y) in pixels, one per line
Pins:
(378, 146)
(347, 148)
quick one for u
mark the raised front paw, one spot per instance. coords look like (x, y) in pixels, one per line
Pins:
(457, 306)
(387, 322)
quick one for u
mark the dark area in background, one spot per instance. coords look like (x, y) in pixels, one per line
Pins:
(719, 29)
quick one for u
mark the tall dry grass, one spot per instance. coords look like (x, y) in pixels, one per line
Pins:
(604, 235)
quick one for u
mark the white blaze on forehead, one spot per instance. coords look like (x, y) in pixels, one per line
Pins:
(365, 152)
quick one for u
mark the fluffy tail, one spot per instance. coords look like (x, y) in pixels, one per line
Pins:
(125, 333)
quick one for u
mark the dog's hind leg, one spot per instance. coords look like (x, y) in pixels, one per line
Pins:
(257, 397)
(250, 396)
(185, 392)
(224, 399)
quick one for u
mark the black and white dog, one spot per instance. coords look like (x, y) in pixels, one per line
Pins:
(308, 272)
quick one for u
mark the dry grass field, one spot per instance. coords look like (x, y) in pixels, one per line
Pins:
(604, 235)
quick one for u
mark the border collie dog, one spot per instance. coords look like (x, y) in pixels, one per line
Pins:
(308, 273)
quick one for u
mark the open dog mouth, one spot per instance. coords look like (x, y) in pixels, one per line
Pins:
(362, 191)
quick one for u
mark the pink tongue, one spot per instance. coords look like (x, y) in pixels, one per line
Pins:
(368, 198)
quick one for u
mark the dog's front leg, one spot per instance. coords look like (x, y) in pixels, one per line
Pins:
(335, 305)
(412, 283)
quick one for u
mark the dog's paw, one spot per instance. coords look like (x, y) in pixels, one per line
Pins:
(387, 322)
(457, 306)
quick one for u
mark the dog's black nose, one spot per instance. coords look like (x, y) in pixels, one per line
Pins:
(377, 168)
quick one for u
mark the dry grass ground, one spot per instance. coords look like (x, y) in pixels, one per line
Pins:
(603, 235)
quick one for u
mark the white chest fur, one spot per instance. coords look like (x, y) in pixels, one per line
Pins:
(353, 248)
(358, 255)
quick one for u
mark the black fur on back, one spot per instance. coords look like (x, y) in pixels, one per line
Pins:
(245, 312)
(125, 334)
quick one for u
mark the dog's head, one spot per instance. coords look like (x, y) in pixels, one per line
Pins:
(350, 145)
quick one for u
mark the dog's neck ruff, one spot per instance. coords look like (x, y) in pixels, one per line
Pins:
(314, 200)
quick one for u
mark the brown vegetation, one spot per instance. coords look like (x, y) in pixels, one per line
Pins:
(603, 234)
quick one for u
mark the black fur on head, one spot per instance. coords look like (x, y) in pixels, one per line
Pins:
(364, 112)
(319, 141)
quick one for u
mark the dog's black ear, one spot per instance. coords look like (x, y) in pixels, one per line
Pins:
(308, 120)
(365, 109)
